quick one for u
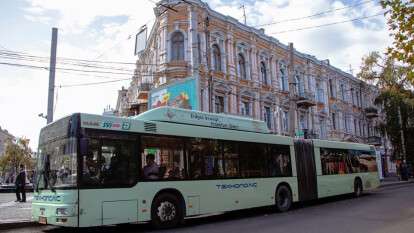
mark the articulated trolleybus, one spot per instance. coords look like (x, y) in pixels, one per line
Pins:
(168, 164)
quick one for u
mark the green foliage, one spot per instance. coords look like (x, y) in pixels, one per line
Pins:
(401, 24)
(395, 95)
(17, 153)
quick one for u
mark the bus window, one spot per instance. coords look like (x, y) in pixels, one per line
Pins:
(367, 162)
(279, 161)
(162, 158)
(110, 161)
(252, 159)
(231, 159)
(205, 159)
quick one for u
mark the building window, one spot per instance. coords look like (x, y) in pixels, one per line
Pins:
(219, 104)
(216, 58)
(300, 88)
(342, 87)
(242, 66)
(333, 121)
(319, 94)
(283, 77)
(355, 126)
(245, 108)
(302, 122)
(267, 117)
(352, 96)
(177, 46)
(331, 88)
(285, 121)
(263, 73)
(322, 128)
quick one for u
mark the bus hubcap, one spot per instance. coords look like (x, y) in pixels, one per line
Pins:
(283, 198)
(166, 211)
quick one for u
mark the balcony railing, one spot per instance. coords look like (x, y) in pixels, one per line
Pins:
(305, 99)
(371, 112)
(374, 140)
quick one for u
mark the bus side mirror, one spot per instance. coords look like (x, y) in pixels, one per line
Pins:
(83, 146)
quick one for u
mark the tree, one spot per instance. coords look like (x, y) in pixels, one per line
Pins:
(401, 24)
(395, 97)
(16, 153)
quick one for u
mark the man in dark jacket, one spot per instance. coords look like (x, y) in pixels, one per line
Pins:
(20, 185)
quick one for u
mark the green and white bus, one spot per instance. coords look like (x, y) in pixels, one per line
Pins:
(168, 164)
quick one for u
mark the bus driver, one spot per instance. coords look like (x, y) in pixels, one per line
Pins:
(151, 170)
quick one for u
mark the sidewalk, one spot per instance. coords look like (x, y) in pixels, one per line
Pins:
(394, 180)
(15, 213)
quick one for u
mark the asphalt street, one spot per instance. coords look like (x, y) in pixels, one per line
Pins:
(387, 210)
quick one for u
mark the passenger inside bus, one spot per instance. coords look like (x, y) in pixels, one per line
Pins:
(151, 170)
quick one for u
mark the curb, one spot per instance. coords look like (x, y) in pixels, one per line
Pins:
(396, 184)
(17, 224)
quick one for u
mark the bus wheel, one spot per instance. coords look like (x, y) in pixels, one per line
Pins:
(358, 190)
(283, 198)
(166, 211)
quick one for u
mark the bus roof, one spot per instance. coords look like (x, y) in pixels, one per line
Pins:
(189, 117)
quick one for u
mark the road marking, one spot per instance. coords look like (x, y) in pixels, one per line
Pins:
(13, 203)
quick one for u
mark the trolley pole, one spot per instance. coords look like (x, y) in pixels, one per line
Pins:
(52, 69)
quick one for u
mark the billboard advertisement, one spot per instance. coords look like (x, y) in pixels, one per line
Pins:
(181, 94)
(141, 40)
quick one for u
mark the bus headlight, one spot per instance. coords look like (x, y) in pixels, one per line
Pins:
(63, 211)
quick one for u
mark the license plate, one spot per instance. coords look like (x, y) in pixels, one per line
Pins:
(42, 220)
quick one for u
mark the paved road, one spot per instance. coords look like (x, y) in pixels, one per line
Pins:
(387, 210)
(11, 211)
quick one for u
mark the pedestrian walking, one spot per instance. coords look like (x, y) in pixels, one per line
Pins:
(20, 185)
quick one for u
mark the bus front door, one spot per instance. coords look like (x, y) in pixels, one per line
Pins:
(306, 170)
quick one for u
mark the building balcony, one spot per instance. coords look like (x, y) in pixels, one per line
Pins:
(374, 140)
(305, 99)
(371, 112)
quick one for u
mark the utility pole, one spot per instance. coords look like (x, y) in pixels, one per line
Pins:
(210, 77)
(52, 69)
(244, 13)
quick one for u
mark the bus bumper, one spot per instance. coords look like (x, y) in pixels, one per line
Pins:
(59, 215)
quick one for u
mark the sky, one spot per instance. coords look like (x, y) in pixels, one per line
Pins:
(105, 31)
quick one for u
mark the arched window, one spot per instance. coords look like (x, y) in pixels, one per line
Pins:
(300, 85)
(177, 46)
(263, 73)
(216, 58)
(283, 77)
(242, 66)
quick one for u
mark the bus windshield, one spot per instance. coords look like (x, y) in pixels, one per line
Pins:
(57, 164)
(57, 156)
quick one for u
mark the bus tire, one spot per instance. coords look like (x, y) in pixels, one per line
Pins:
(166, 211)
(358, 189)
(283, 198)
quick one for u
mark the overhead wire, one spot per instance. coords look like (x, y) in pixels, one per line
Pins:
(314, 15)
(327, 24)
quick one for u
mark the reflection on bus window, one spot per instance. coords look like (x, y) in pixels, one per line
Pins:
(205, 159)
(341, 161)
(279, 161)
(162, 158)
(231, 159)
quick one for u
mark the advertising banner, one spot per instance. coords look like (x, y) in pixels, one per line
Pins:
(181, 94)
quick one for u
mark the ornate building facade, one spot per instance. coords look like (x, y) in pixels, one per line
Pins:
(242, 71)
